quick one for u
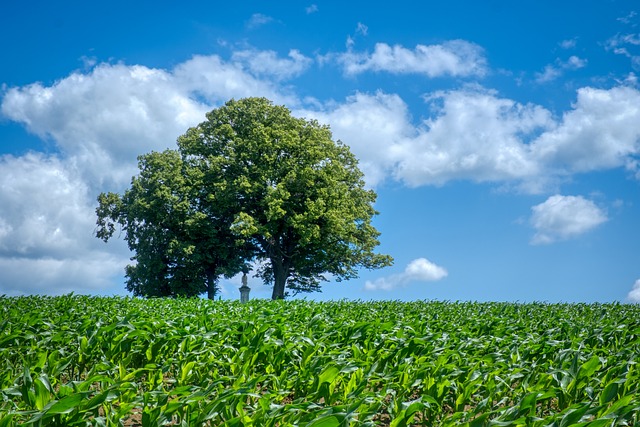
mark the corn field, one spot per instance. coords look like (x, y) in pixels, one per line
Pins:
(113, 361)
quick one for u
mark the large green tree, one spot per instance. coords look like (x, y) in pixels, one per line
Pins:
(297, 198)
(182, 243)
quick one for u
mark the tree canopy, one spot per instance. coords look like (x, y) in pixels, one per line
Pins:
(252, 183)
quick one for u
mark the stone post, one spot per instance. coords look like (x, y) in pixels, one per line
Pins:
(244, 289)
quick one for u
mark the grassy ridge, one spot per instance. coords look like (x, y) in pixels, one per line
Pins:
(76, 360)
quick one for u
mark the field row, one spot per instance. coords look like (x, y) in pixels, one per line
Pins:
(112, 361)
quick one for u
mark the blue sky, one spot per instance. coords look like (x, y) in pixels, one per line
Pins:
(502, 138)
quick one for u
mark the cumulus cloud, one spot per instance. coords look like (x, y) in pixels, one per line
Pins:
(602, 131)
(451, 58)
(564, 217)
(42, 207)
(418, 270)
(634, 294)
(105, 118)
(101, 120)
(473, 134)
(311, 9)
(46, 231)
(217, 81)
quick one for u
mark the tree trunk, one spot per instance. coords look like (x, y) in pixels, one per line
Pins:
(211, 285)
(280, 275)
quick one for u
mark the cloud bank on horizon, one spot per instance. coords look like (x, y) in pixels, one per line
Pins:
(98, 121)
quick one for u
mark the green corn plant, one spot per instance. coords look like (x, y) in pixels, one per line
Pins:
(77, 360)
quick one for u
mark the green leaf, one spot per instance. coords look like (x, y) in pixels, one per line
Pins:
(328, 374)
(96, 400)
(619, 405)
(325, 421)
(66, 404)
(609, 393)
(528, 403)
(479, 421)
(27, 395)
(185, 371)
(589, 367)
(406, 415)
(42, 393)
(573, 415)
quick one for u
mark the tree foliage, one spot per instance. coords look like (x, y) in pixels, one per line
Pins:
(252, 183)
(299, 198)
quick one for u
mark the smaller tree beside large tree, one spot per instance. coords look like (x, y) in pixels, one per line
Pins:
(252, 183)
(179, 248)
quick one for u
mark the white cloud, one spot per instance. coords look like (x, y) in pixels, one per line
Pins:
(218, 81)
(349, 44)
(569, 43)
(564, 217)
(602, 131)
(473, 135)
(418, 270)
(258, 20)
(630, 79)
(267, 63)
(46, 231)
(105, 118)
(311, 9)
(452, 58)
(574, 63)
(548, 74)
(552, 72)
(634, 294)
(361, 30)
(43, 208)
(102, 119)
